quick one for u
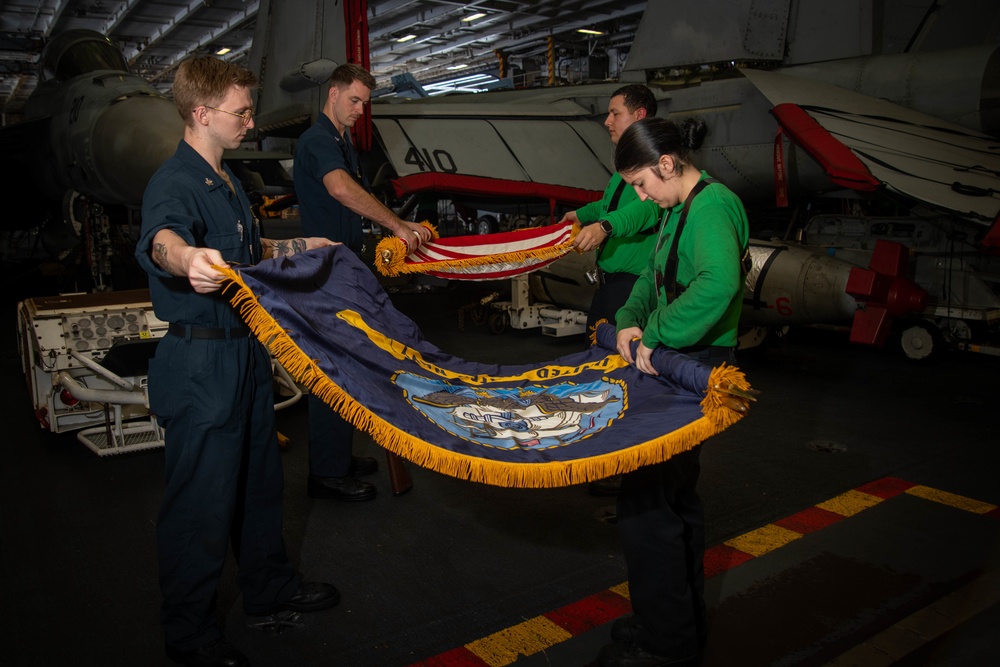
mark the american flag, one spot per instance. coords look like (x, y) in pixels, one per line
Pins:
(480, 257)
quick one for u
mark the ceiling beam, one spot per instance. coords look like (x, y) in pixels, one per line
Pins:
(433, 51)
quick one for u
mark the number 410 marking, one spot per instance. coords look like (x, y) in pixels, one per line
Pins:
(424, 162)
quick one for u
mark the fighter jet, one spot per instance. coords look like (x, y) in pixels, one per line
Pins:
(856, 106)
(92, 136)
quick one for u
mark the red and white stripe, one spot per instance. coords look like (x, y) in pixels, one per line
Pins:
(468, 247)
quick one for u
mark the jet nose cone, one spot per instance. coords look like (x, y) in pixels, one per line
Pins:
(130, 140)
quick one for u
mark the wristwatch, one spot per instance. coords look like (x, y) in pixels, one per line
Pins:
(605, 227)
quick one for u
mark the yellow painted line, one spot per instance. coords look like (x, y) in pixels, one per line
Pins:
(850, 503)
(527, 638)
(537, 634)
(622, 590)
(921, 627)
(951, 499)
(763, 540)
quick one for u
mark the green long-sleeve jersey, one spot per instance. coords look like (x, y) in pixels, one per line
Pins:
(633, 225)
(709, 268)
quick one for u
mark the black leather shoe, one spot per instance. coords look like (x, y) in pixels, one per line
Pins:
(218, 653)
(312, 596)
(630, 654)
(362, 465)
(626, 629)
(348, 489)
(606, 487)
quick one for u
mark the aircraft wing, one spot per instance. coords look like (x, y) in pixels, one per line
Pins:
(556, 143)
(922, 157)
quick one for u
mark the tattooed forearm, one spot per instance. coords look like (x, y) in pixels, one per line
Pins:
(159, 255)
(287, 247)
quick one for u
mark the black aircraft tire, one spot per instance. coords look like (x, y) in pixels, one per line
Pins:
(497, 323)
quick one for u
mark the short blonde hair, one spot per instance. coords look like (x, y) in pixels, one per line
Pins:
(205, 80)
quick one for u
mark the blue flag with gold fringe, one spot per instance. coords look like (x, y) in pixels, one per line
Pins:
(582, 417)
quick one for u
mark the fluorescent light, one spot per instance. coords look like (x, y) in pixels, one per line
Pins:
(473, 17)
(469, 78)
(406, 38)
(223, 51)
(587, 31)
(468, 83)
(462, 66)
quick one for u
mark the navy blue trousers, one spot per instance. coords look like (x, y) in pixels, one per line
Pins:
(661, 523)
(330, 441)
(662, 528)
(224, 483)
(610, 296)
(331, 438)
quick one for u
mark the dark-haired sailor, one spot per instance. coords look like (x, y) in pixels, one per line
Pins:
(688, 298)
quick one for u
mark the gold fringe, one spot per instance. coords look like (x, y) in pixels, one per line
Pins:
(716, 418)
(592, 335)
(390, 257)
(390, 252)
(713, 405)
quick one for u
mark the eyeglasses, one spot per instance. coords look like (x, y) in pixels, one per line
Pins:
(247, 115)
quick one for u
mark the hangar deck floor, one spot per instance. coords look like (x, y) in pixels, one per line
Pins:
(851, 520)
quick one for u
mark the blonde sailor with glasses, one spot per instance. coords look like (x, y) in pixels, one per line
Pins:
(210, 383)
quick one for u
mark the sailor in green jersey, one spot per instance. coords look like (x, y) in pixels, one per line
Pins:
(703, 309)
(619, 226)
(688, 298)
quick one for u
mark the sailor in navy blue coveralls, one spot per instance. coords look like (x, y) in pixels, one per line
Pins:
(210, 383)
(214, 397)
(320, 150)
(333, 195)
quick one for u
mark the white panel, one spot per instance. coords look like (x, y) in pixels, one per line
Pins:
(674, 34)
(556, 152)
(599, 140)
(946, 84)
(913, 153)
(552, 152)
(830, 30)
(764, 35)
(462, 146)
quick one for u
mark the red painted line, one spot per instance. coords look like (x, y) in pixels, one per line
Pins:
(809, 520)
(605, 606)
(887, 487)
(723, 557)
(590, 612)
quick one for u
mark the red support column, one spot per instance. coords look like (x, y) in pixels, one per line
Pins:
(356, 24)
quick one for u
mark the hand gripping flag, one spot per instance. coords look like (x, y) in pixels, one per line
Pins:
(480, 257)
(579, 418)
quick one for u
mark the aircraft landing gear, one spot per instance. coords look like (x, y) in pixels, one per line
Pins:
(755, 337)
(487, 224)
(498, 322)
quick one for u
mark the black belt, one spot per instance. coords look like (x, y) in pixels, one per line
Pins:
(207, 333)
(621, 275)
(711, 349)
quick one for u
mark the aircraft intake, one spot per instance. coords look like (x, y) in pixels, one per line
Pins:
(129, 141)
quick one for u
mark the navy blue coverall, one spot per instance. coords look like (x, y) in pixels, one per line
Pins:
(214, 397)
(320, 150)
